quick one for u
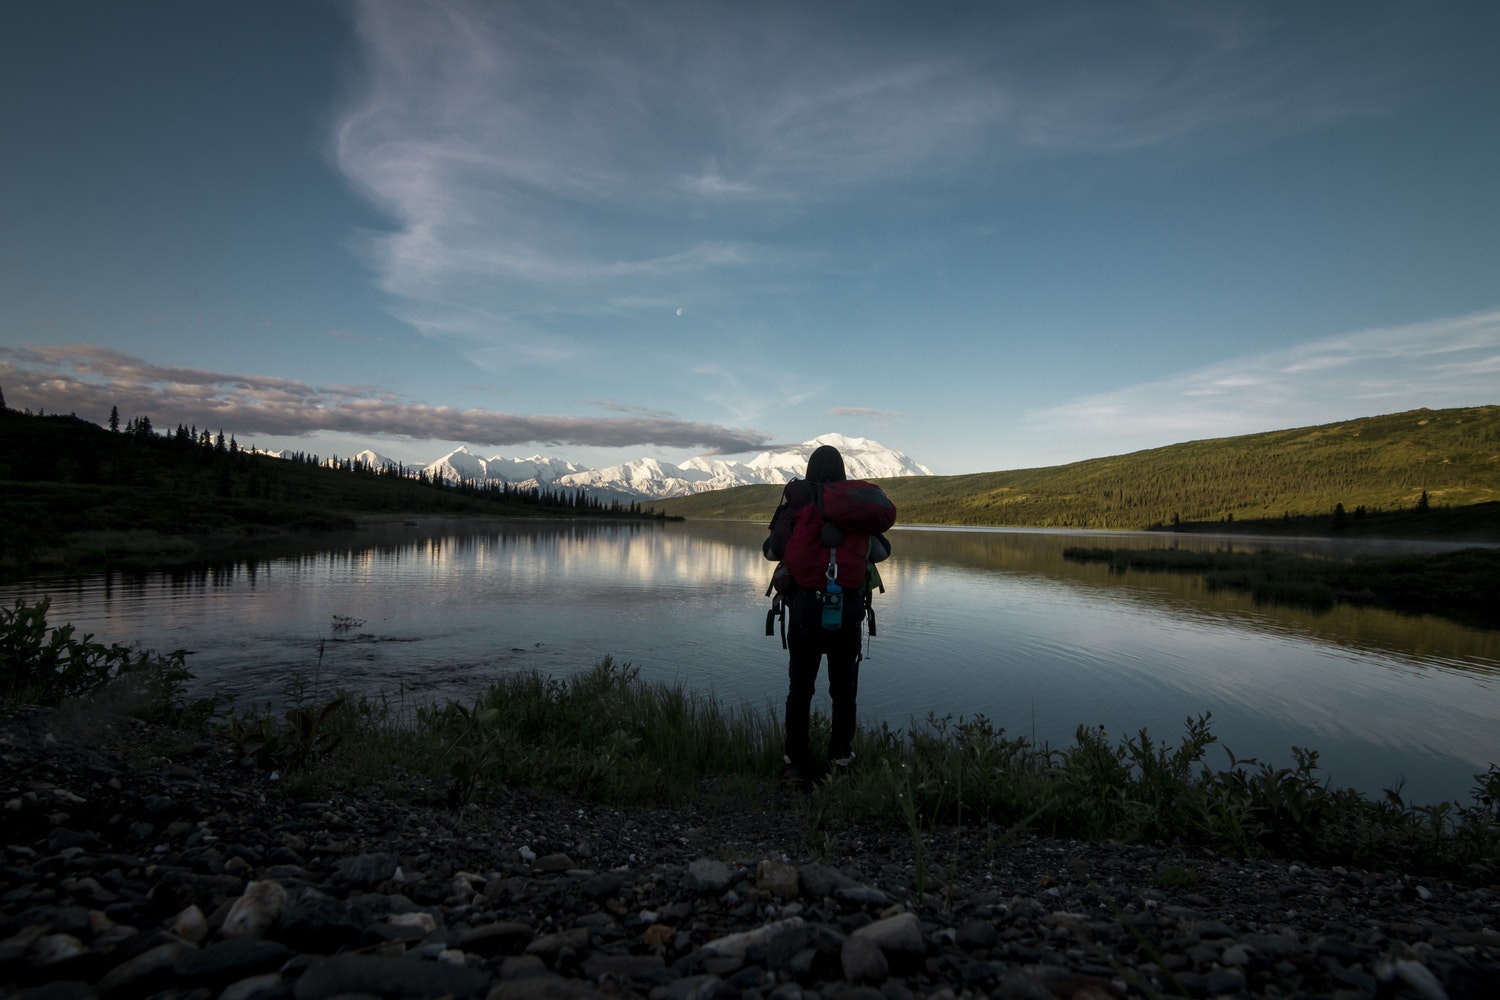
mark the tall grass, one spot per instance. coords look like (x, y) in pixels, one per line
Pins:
(603, 733)
(606, 735)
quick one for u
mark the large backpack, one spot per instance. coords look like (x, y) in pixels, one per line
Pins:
(828, 531)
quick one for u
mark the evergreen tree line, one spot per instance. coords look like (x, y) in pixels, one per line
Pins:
(62, 477)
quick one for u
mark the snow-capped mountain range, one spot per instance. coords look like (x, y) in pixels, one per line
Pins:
(650, 479)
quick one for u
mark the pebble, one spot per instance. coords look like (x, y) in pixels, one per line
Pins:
(123, 874)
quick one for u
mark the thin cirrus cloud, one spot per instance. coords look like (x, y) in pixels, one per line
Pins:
(535, 161)
(90, 380)
(1441, 363)
(882, 417)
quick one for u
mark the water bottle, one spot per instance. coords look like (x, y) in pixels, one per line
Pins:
(833, 605)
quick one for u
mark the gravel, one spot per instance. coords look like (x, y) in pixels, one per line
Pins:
(130, 874)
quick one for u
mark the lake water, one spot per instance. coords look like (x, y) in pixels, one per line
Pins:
(974, 621)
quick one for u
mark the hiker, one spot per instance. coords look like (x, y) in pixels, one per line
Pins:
(818, 555)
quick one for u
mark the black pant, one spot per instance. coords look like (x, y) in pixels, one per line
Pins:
(808, 642)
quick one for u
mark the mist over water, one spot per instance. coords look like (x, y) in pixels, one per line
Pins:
(974, 621)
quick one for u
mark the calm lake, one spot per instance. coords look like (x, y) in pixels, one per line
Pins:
(974, 621)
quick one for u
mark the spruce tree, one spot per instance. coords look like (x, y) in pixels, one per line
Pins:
(114, 419)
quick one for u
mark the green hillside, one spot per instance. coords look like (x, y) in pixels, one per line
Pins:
(1377, 468)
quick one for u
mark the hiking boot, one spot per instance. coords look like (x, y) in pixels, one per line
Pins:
(795, 776)
(841, 765)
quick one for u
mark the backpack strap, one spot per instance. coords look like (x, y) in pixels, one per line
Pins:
(778, 611)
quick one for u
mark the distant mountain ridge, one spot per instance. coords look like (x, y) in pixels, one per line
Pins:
(652, 479)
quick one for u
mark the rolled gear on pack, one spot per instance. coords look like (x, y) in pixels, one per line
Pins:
(828, 537)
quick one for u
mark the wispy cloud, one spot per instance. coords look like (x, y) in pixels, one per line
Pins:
(89, 380)
(1441, 363)
(538, 158)
(884, 418)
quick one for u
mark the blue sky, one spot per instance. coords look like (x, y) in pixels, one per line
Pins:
(993, 236)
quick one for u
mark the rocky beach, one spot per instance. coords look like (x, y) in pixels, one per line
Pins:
(141, 863)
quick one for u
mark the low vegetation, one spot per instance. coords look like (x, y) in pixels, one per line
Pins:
(1457, 585)
(46, 665)
(607, 736)
(1416, 474)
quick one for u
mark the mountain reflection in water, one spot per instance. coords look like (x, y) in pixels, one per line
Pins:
(974, 621)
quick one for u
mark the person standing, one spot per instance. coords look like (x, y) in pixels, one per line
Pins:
(813, 633)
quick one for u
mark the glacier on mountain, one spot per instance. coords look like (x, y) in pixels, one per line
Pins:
(650, 479)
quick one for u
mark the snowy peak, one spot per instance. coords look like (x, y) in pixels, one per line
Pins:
(376, 460)
(863, 459)
(650, 478)
(462, 465)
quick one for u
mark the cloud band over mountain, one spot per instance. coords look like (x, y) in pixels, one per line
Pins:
(89, 380)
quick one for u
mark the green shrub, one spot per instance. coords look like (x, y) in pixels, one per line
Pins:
(47, 665)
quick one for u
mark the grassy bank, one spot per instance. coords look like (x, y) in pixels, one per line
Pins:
(607, 736)
(1460, 586)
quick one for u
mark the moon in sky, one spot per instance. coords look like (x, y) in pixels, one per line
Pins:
(679, 310)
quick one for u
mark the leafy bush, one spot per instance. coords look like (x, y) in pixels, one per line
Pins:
(47, 665)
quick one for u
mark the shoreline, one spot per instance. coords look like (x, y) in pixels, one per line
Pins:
(142, 859)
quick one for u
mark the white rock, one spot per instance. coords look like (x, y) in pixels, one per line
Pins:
(257, 909)
(415, 919)
(1420, 978)
(190, 925)
(52, 948)
(738, 944)
(899, 933)
(246, 988)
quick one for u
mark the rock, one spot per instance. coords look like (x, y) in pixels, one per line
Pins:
(602, 886)
(269, 985)
(503, 938)
(738, 944)
(51, 949)
(223, 963)
(62, 839)
(546, 986)
(190, 925)
(365, 871)
(659, 915)
(622, 968)
(260, 906)
(1419, 978)
(778, 879)
(977, 935)
(819, 881)
(900, 933)
(551, 946)
(388, 977)
(863, 961)
(709, 876)
(322, 924)
(861, 895)
(147, 972)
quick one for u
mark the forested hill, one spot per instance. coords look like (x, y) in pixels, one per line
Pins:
(1366, 469)
(74, 496)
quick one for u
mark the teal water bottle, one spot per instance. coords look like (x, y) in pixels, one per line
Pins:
(833, 605)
